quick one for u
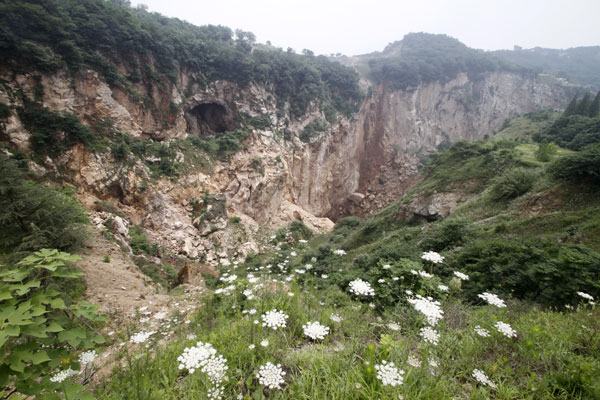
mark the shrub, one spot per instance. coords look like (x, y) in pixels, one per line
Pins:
(581, 165)
(34, 216)
(312, 129)
(546, 151)
(539, 272)
(300, 231)
(41, 333)
(447, 234)
(139, 242)
(513, 183)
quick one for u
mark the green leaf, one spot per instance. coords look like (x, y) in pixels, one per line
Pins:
(58, 304)
(14, 276)
(5, 294)
(54, 327)
(39, 357)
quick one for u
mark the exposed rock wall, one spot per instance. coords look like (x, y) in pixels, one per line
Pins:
(358, 166)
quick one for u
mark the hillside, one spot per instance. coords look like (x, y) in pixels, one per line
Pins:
(186, 213)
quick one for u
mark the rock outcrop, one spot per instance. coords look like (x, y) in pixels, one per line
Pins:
(358, 166)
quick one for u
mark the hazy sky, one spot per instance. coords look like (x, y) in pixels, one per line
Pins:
(356, 27)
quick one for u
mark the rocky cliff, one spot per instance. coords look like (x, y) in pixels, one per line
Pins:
(356, 166)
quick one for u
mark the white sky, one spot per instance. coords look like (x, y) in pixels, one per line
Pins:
(354, 27)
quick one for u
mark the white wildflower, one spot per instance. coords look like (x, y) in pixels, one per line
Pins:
(586, 296)
(324, 276)
(315, 330)
(482, 332)
(360, 287)
(433, 257)
(413, 361)
(251, 347)
(274, 319)
(62, 375)
(293, 254)
(264, 343)
(430, 335)
(393, 326)
(425, 275)
(339, 252)
(429, 307)
(381, 280)
(160, 315)
(194, 357)
(482, 378)
(271, 375)
(387, 266)
(461, 276)
(335, 318)
(443, 288)
(214, 367)
(141, 337)
(388, 374)
(505, 329)
(492, 299)
(88, 357)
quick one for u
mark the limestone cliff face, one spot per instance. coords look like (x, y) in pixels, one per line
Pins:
(357, 166)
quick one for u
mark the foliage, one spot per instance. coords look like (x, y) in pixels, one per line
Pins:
(422, 58)
(49, 35)
(139, 242)
(447, 234)
(40, 333)
(34, 216)
(546, 151)
(312, 129)
(513, 183)
(578, 65)
(223, 146)
(538, 272)
(583, 165)
(54, 132)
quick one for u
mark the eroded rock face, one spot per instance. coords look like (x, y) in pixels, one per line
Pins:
(358, 166)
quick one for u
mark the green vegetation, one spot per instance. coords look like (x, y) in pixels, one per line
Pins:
(583, 165)
(40, 331)
(312, 129)
(578, 126)
(422, 58)
(139, 242)
(34, 216)
(578, 65)
(46, 36)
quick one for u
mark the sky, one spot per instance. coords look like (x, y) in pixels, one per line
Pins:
(353, 27)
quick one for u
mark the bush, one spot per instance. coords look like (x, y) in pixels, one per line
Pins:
(312, 129)
(448, 234)
(581, 165)
(512, 184)
(139, 242)
(546, 151)
(34, 216)
(539, 272)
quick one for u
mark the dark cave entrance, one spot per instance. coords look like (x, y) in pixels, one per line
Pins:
(208, 119)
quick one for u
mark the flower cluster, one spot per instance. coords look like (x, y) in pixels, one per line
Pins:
(505, 329)
(339, 252)
(203, 356)
(430, 335)
(141, 337)
(461, 276)
(360, 287)
(62, 375)
(482, 378)
(429, 307)
(315, 330)
(274, 319)
(586, 296)
(492, 299)
(388, 374)
(335, 318)
(482, 332)
(433, 257)
(271, 375)
(88, 357)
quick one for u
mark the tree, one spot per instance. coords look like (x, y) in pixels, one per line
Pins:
(571, 108)
(595, 106)
(546, 151)
(583, 108)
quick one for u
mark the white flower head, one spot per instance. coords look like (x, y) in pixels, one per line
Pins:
(586, 296)
(388, 374)
(393, 326)
(360, 287)
(315, 330)
(274, 319)
(429, 307)
(492, 299)
(429, 335)
(339, 252)
(214, 367)
(335, 318)
(483, 378)
(433, 257)
(62, 375)
(443, 288)
(482, 332)
(505, 329)
(193, 357)
(141, 337)
(264, 343)
(88, 357)
(271, 375)
(413, 361)
(461, 276)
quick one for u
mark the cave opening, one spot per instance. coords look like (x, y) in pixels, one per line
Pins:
(208, 119)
